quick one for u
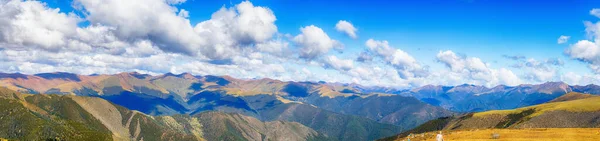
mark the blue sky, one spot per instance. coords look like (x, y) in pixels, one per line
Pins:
(483, 29)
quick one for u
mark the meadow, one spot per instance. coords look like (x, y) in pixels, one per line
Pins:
(537, 134)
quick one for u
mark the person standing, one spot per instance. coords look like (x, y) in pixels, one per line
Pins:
(439, 137)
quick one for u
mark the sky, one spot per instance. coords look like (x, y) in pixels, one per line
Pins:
(399, 44)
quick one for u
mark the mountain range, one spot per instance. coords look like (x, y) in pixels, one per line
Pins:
(66, 117)
(472, 98)
(312, 104)
(329, 111)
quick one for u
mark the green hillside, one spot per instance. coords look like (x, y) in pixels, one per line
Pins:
(577, 113)
(64, 117)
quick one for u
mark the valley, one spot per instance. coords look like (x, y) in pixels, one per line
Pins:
(330, 111)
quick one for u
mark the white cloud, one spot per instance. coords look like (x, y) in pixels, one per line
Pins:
(313, 42)
(154, 36)
(168, 28)
(131, 21)
(32, 24)
(595, 12)
(277, 47)
(451, 60)
(123, 37)
(364, 57)
(563, 39)
(540, 71)
(175, 1)
(586, 51)
(407, 66)
(245, 24)
(230, 29)
(507, 77)
(347, 28)
(338, 64)
(473, 70)
(183, 13)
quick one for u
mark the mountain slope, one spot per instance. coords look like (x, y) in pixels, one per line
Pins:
(184, 93)
(238, 127)
(572, 96)
(406, 112)
(42, 117)
(332, 124)
(578, 113)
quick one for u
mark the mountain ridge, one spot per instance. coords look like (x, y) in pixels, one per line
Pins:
(65, 117)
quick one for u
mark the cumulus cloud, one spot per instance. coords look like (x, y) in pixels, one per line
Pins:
(218, 38)
(347, 28)
(541, 71)
(314, 42)
(507, 77)
(364, 57)
(276, 47)
(172, 33)
(563, 39)
(154, 36)
(32, 24)
(122, 36)
(379, 76)
(229, 29)
(595, 12)
(461, 63)
(588, 51)
(474, 70)
(338, 64)
(406, 64)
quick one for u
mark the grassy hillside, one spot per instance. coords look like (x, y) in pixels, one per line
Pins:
(63, 117)
(579, 105)
(172, 94)
(534, 134)
(238, 127)
(571, 96)
(577, 113)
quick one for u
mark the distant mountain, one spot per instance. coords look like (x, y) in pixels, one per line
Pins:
(472, 98)
(364, 116)
(573, 111)
(399, 110)
(55, 117)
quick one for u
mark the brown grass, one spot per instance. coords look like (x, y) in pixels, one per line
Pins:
(537, 134)
(581, 105)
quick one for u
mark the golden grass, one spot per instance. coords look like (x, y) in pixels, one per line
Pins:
(581, 105)
(538, 134)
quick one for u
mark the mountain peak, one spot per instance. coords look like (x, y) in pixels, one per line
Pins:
(134, 74)
(13, 75)
(59, 75)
